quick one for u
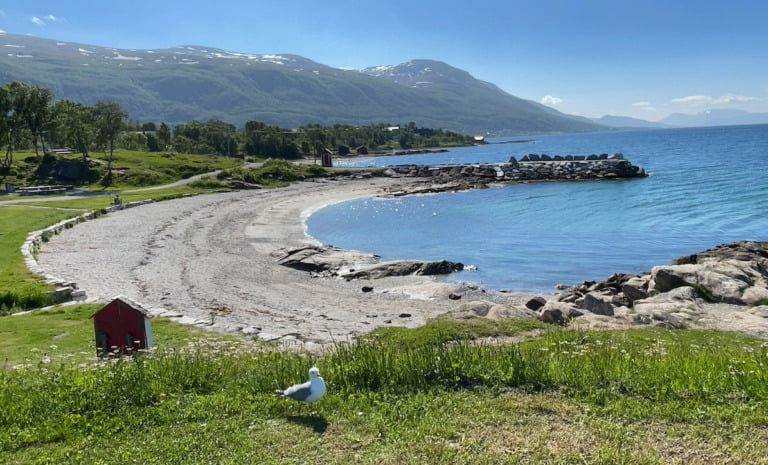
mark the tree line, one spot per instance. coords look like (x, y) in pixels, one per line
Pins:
(30, 118)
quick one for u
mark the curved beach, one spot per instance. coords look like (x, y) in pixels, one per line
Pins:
(207, 260)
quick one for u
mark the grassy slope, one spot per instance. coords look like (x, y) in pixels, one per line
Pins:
(637, 397)
(644, 396)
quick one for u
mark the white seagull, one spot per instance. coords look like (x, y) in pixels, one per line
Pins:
(310, 391)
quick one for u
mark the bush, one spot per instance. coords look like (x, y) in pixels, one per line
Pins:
(206, 182)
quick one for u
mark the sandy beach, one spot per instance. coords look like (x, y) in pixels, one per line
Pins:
(207, 260)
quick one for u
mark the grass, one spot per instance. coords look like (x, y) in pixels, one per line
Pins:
(129, 168)
(647, 396)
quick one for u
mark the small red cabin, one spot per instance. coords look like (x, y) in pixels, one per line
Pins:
(326, 158)
(122, 327)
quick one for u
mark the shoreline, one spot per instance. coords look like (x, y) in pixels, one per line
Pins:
(207, 260)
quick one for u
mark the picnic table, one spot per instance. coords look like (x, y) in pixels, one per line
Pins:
(34, 190)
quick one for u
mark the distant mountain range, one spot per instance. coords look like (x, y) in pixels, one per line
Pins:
(186, 83)
(627, 122)
(715, 118)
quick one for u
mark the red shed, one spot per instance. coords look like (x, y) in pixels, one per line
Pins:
(122, 326)
(326, 158)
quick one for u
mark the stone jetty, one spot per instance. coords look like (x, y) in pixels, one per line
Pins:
(533, 168)
(530, 168)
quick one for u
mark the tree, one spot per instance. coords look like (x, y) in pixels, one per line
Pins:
(109, 119)
(37, 115)
(6, 112)
(12, 105)
(164, 136)
(73, 125)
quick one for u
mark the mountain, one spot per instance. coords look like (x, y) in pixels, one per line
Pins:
(187, 83)
(627, 122)
(716, 118)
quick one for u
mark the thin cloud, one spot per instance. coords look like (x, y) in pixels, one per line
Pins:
(730, 98)
(47, 19)
(550, 100)
(644, 106)
(693, 100)
(706, 99)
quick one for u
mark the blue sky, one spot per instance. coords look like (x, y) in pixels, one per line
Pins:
(639, 58)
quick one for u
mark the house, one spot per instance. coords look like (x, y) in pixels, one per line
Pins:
(122, 327)
(362, 150)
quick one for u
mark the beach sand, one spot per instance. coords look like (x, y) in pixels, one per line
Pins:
(207, 260)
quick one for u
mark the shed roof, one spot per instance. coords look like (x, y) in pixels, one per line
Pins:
(129, 303)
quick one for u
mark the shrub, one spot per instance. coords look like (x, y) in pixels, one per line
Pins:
(207, 182)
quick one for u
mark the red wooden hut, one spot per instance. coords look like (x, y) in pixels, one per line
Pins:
(122, 326)
(326, 158)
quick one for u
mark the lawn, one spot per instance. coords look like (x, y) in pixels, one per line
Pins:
(563, 396)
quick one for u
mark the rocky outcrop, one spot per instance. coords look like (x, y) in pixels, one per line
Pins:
(725, 287)
(490, 310)
(351, 264)
(324, 259)
(404, 268)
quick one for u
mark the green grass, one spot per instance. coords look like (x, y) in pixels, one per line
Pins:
(567, 396)
(20, 288)
(64, 335)
(131, 169)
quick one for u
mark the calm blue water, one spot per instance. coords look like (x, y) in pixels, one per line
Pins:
(707, 186)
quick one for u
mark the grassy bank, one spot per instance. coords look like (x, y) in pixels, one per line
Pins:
(646, 396)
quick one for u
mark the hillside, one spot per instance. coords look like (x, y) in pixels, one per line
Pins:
(198, 83)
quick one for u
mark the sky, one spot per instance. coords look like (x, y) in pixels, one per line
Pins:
(639, 58)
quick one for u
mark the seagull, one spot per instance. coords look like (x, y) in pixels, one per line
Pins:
(310, 391)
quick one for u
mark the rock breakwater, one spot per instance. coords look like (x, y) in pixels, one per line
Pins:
(528, 169)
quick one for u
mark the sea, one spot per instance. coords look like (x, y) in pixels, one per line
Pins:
(706, 186)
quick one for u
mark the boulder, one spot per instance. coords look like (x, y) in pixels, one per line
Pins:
(635, 288)
(322, 258)
(536, 303)
(679, 299)
(491, 310)
(405, 268)
(553, 316)
(597, 303)
(715, 280)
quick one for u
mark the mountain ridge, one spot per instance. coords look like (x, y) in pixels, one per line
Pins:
(185, 83)
(715, 117)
